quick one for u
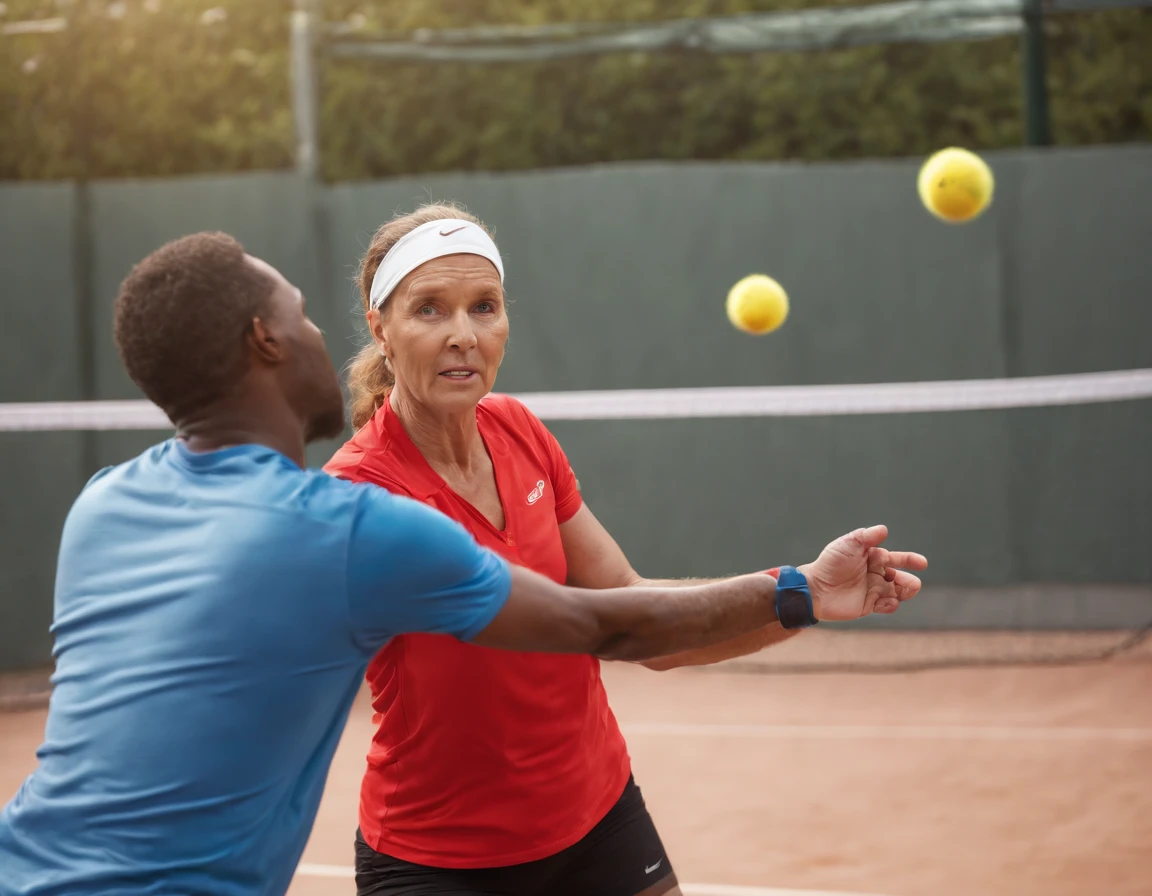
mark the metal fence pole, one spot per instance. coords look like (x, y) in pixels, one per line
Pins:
(79, 38)
(1036, 121)
(304, 88)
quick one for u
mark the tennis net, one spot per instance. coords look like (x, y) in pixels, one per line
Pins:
(953, 644)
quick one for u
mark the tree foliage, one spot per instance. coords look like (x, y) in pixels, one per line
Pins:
(163, 87)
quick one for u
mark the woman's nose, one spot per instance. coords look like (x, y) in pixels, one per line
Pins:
(462, 336)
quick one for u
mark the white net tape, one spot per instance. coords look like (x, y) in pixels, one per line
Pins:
(739, 401)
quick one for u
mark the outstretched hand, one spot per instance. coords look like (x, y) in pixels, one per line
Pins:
(854, 576)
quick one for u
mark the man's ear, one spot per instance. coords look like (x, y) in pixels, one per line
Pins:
(263, 343)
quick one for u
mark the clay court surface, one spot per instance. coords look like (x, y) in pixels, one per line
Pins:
(989, 781)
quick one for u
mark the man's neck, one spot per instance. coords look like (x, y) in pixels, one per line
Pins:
(237, 422)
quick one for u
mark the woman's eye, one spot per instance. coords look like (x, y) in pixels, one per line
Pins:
(426, 310)
(485, 307)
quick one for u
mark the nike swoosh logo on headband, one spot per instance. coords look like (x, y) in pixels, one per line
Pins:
(450, 232)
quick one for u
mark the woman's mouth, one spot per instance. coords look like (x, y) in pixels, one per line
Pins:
(459, 374)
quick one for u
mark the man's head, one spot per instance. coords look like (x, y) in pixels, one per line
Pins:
(199, 324)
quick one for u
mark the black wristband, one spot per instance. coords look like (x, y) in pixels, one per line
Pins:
(793, 599)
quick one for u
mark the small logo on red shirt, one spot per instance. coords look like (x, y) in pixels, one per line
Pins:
(537, 493)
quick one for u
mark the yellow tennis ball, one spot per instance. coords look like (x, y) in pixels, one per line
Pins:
(757, 304)
(955, 184)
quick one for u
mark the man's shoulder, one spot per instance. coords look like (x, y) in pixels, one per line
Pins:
(255, 482)
(108, 480)
(314, 495)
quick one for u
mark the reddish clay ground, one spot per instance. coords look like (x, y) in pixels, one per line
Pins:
(973, 782)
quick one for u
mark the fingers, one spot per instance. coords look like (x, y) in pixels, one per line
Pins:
(871, 537)
(889, 590)
(905, 584)
(907, 560)
(880, 559)
(879, 590)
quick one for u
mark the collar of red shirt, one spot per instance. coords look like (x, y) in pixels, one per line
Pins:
(422, 482)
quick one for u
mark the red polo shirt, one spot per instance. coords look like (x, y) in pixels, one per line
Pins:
(482, 757)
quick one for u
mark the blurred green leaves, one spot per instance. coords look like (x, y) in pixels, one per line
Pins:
(163, 87)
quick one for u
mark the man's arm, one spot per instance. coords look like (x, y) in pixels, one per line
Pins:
(852, 577)
(595, 560)
(634, 623)
(743, 645)
(412, 569)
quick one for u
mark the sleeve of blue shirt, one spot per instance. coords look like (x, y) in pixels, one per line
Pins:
(412, 569)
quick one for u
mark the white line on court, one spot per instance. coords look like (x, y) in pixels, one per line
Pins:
(725, 890)
(306, 869)
(346, 872)
(888, 732)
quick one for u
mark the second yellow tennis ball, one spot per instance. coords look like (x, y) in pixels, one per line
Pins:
(757, 304)
(955, 184)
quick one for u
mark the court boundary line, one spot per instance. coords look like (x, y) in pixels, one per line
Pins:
(347, 872)
(999, 733)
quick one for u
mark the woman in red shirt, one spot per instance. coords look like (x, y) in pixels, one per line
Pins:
(491, 772)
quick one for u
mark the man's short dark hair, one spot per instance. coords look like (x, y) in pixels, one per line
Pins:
(181, 317)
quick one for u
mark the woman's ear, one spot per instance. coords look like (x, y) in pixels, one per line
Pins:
(376, 327)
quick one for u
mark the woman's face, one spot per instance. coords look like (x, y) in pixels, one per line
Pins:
(444, 329)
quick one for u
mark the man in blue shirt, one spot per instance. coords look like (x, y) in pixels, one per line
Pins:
(216, 603)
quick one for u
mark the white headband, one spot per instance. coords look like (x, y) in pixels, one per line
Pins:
(435, 239)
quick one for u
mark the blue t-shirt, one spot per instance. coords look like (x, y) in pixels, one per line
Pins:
(214, 616)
